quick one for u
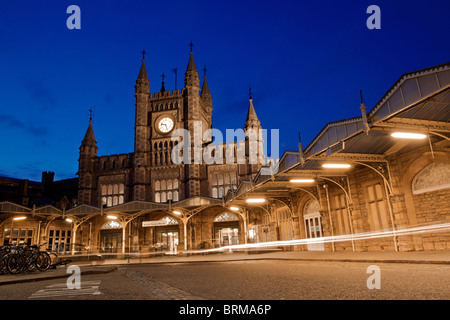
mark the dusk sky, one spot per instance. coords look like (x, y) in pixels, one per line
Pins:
(305, 60)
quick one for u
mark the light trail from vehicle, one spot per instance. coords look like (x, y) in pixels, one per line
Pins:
(442, 227)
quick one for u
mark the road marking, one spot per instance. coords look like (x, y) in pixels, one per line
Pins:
(60, 289)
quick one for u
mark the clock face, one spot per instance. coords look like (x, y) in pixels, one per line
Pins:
(165, 125)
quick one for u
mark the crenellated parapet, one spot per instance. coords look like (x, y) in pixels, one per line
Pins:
(114, 162)
(165, 94)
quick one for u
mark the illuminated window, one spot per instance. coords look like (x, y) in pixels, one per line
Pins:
(59, 240)
(166, 190)
(170, 220)
(111, 225)
(226, 216)
(222, 183)
(18, 236)
(112, 194)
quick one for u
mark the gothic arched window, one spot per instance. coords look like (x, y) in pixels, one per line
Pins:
(226, 216)
(435, 176)
(166, 190)
(112, 194)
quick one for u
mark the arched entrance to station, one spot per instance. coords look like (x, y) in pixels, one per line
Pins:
(111, 237)
(226, 229)
(167, 236)
(313, 224)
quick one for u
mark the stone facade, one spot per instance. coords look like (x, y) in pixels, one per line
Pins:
(390, 185)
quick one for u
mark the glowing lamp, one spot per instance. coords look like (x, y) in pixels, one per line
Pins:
(301, 180)
(408, 135)
(336, 165)
(256, 200)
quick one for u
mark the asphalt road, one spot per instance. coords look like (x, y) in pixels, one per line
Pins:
(246, 280)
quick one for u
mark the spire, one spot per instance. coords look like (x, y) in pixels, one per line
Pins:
(252, 118)
(88, 146)
(89, 137)
(191, 64)
(142, 82)
(143, 72)
(191, 78)
(163, 77)
(205, 88)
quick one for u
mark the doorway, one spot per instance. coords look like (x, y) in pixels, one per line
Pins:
(313, 225)
(110, 242)
(167, 241)
(228, 236)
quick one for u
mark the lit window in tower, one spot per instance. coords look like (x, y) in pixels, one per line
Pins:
(166, 190)
(222, 183)
(113, 194)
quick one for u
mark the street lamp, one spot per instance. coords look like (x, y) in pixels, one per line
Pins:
(336, 165)
(255, 200)
(408, 135)
(302, 180)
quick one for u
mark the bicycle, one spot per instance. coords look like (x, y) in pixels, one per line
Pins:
(38, 259)
(22, 258)
(4, 254)
(15, 260)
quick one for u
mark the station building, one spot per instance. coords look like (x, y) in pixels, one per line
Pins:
(379, 181)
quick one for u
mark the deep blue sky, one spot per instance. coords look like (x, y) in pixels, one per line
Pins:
(306, 62)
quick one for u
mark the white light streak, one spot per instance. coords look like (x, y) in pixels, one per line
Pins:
(341, 238)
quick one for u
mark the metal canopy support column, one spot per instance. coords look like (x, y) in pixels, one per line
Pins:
(76, 222)
(348, 199)
(325, 186)
(383, 170)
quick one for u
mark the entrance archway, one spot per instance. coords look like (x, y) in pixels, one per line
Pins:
(313, 224)
(226, 229)
(111, 237)
(167, 236)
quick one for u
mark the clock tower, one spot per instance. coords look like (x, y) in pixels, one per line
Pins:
(157, 116)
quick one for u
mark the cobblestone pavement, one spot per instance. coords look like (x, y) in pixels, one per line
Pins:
(157, 290)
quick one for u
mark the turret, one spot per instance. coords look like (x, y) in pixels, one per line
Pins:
(254, 151)
(206, 94)
(141, 132)
(191, 78)
(88, 153)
